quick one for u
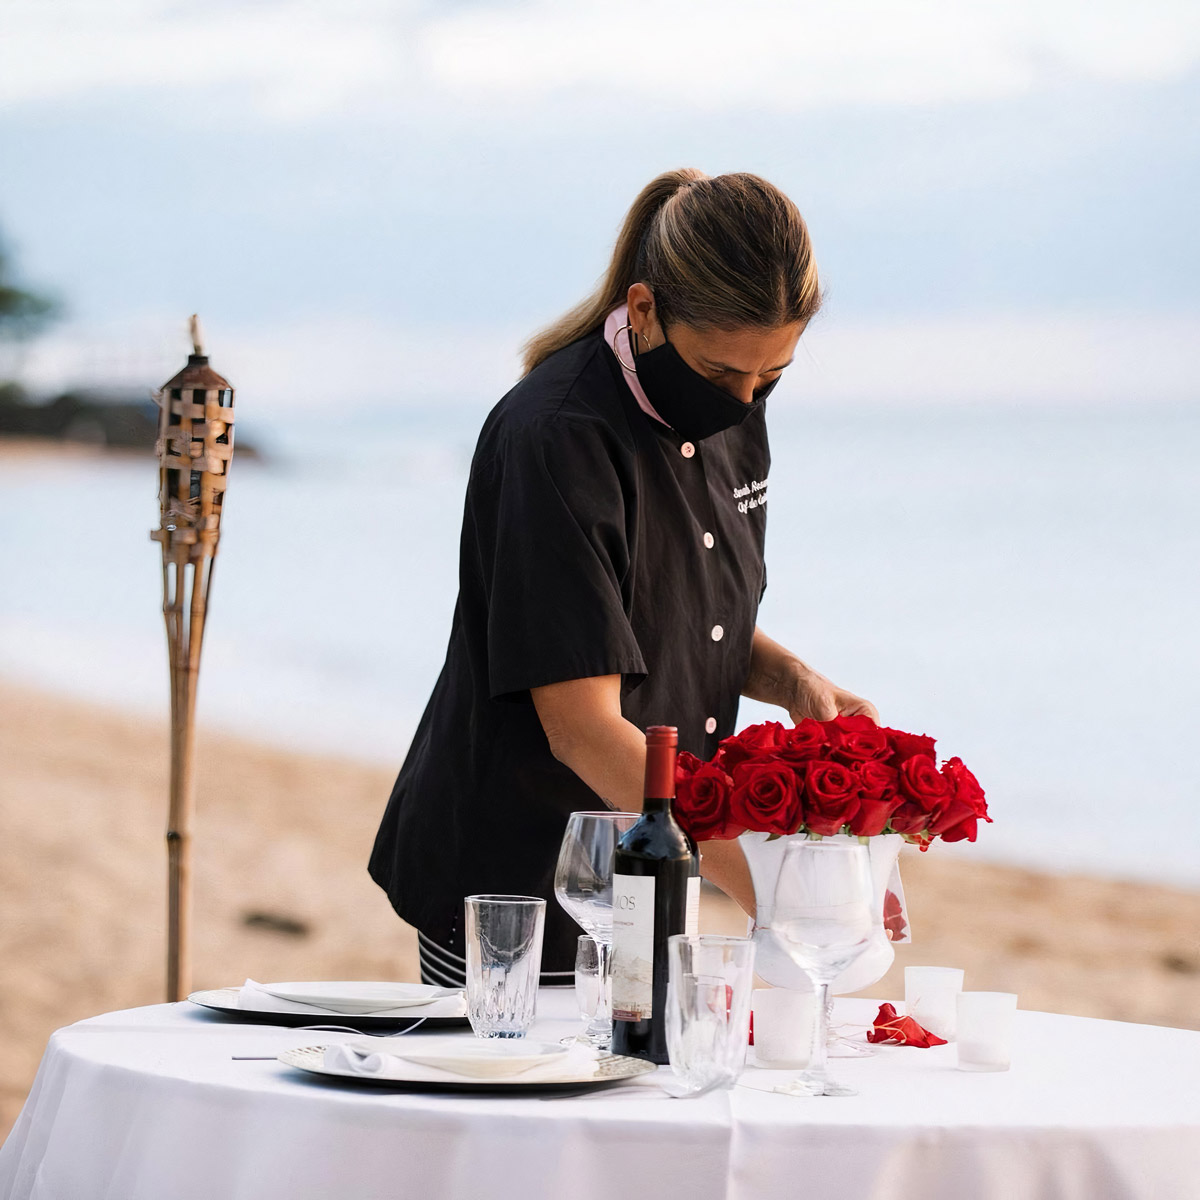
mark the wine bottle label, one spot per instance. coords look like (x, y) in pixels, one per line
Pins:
(633, 947)
(691, 923)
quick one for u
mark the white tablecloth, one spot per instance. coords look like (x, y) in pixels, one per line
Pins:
(148, 1104)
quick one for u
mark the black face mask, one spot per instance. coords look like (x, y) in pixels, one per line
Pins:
(692, 405)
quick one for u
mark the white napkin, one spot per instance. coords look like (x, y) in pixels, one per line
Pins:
(259, 998)
(367, 1057)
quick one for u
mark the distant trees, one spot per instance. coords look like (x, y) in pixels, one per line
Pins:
(22, 313)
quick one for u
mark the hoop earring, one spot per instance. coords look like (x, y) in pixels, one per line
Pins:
(628, 325)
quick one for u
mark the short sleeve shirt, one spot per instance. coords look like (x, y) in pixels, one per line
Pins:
(595, 541)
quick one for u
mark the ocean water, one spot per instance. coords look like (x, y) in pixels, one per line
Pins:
(1021, 583)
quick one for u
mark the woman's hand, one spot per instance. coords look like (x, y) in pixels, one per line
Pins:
(820, 698)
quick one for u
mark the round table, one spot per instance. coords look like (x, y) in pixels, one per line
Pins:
(149, 1103)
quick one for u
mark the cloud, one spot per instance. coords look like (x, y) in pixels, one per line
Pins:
(299, 58)
(280, 60)
(781, 54)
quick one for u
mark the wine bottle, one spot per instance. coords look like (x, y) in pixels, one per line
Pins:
(654, 877)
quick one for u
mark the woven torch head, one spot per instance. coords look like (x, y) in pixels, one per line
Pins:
(194, 447)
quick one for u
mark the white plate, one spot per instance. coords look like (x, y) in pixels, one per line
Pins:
(228, 1002)
(361, 998)
(606, 1070)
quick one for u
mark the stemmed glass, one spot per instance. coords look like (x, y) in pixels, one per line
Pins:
(583, 885)
(822, 919)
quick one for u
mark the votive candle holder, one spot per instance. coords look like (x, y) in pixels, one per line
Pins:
(931, 998)
(985, 1024)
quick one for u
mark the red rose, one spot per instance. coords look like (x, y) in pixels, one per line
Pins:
(830, 797)
(804, 743)
(686, 765)
(877, 796)
(856, 739)
(755, 741)
(702, 804)
(906, 745)
(956, 820)
(848, 723)
(765, 797)
(924, 789)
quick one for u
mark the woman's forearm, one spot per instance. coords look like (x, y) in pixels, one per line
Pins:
(609, 755)
(583, 723)
(613, 764)
(773, 672)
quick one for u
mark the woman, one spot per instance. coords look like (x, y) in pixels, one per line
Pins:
(611, 563)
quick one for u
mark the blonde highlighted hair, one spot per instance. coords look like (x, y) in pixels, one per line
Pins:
(718, 252)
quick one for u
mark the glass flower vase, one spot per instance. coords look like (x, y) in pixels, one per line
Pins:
(765, 857)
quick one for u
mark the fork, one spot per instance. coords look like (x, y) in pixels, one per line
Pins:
(662, 1093)
(331, 1029)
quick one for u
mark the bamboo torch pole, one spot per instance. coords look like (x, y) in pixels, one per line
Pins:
(195, 447)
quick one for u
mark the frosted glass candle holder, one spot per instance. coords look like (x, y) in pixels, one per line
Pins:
(985, 1022)
(931, 998)
(784, 1026)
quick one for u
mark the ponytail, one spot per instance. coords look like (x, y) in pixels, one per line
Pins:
(588, 316)
(726, 252)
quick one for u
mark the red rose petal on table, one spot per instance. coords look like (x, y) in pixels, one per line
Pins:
(903, 1031)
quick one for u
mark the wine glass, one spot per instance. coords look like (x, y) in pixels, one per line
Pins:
(822, 919)
(765, 858)
(583, 885)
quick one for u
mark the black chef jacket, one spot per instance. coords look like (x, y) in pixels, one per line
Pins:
(595, 541)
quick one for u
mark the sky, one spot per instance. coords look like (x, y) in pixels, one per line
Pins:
(378, 203)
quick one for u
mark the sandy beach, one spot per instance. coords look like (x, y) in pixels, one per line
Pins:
(282, 890)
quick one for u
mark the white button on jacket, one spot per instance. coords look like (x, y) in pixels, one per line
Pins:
(710, 726)
(687, 449)
(717, 633)
(709, 541)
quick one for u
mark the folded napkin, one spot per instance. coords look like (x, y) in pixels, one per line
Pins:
(366, 1057)
(420, 1001)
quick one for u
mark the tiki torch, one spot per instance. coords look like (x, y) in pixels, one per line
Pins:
(194, 447)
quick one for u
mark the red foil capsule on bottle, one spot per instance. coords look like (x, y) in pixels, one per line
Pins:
(661, 743)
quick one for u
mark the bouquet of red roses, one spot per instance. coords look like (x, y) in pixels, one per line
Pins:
(847, 775)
